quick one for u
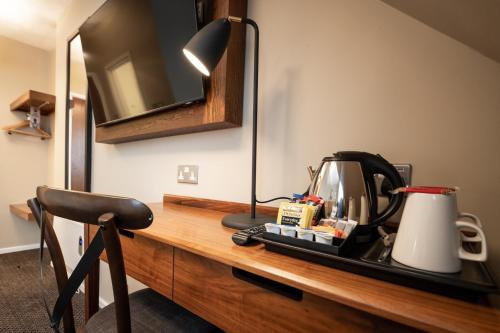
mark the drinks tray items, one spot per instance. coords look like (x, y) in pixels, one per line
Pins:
(472, 283)
(338, 246)
(299, 223)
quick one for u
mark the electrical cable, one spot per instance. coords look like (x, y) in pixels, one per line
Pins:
(273, 199)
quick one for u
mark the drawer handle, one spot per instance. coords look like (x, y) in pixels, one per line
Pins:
(126, 233)
(277, 287)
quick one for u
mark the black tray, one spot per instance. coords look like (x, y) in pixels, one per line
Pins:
(339, 247)
(472, 283)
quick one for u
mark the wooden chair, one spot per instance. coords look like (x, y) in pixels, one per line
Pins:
(151, 312)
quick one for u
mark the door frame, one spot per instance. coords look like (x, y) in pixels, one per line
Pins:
(89, 127)
(91, 297)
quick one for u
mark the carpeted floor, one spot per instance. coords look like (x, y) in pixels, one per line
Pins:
(21, 305)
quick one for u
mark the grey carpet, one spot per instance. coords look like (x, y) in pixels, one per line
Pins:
(21, 305)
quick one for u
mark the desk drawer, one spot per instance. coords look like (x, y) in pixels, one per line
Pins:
(211, 290)
(147, 261)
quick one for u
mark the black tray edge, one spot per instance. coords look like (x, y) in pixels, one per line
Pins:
(339, 250)
(464, 291)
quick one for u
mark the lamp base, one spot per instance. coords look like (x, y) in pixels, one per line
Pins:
(245, 221)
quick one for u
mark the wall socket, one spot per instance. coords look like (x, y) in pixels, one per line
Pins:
(187, 174)
(405, 172)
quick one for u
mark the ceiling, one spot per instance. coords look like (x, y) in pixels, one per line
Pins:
(476, 23)
(31, 22)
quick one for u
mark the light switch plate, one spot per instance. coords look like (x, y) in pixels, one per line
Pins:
(405, 172)
(187, 174)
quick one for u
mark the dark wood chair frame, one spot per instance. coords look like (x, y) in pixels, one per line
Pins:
(109, 213)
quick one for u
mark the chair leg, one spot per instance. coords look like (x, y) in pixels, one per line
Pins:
(91, 298)
(117, 270)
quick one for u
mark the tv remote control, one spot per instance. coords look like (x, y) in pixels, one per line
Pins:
(244, 237)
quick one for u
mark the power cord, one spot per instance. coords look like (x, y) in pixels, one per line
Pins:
(273, 199)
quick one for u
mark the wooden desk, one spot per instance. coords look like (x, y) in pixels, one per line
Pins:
(188, 256)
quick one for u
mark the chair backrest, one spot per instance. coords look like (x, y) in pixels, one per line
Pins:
(108, 212)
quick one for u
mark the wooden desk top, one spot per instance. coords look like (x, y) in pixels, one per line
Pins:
(199, 231)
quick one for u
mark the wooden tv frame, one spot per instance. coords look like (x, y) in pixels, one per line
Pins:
(223, 107)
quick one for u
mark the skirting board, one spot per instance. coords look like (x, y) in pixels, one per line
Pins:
(19, 248)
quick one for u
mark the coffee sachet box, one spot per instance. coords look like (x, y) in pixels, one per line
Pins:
(295, 214)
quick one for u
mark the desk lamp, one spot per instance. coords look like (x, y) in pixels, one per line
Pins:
(204, 51)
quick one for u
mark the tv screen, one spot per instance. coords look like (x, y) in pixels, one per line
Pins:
(134, 61)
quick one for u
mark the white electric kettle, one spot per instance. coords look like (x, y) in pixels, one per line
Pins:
(429, 236)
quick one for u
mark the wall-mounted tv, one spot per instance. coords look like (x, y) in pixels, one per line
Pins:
(134, 61)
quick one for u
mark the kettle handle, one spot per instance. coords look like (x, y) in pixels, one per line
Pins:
(378, 165)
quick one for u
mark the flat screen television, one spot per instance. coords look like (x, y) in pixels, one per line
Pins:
(134, 61)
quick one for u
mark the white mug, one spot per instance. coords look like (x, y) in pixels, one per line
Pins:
(429, 236)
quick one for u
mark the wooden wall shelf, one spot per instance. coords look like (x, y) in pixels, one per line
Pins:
(22, 211)
(34, 98)
(36, 104)
(223, 107)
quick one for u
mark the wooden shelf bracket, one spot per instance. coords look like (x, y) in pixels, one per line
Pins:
(35, 107)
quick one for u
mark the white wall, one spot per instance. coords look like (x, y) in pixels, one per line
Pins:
(335, 75)
(23, 163)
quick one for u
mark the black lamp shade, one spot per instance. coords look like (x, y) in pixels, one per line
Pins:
(205, 49)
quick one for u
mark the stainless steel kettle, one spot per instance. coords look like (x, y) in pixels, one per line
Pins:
(347, 183)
